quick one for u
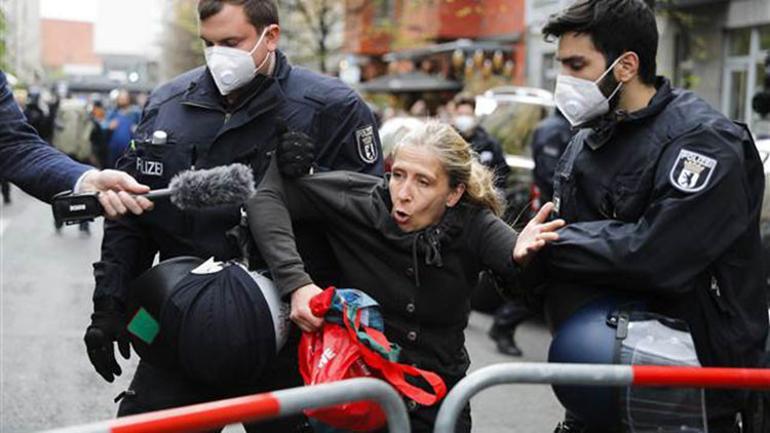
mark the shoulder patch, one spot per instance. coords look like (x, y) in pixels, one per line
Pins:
(366, 145)
(692, 171)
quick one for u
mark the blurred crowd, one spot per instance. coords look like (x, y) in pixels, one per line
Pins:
(94, 129)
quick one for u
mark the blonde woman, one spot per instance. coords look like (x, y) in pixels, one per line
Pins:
(415, 241)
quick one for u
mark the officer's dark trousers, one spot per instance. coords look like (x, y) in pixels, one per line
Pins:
(154, 388)
(5, 187)
(510, 314)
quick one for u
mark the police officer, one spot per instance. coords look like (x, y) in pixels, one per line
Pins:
(661, 194)
(488, 149)
(549, 139)
(490, 153)
(232, 110)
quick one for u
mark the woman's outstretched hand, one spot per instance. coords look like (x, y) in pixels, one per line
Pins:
(300, 308)
(536, 234)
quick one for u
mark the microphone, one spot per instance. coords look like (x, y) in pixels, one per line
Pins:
(190, 189)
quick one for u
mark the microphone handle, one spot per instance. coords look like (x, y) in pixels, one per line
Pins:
(158, 193)
(71, 208)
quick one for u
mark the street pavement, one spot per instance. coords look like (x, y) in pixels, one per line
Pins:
(47, 382)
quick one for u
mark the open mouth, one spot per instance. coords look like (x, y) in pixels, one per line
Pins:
(400, 217)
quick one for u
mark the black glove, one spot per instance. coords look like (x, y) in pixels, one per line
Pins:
(296, 152)
(107, 326)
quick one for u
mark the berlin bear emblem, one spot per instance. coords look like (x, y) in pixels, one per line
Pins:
(692, 171)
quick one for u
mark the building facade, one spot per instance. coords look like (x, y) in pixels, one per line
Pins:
(23, 39)
(540, 68)
(373, 29)
(715, 48)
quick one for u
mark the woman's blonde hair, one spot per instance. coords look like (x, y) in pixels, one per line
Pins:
(460, 162)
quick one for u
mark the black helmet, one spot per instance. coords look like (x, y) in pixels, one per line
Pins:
(588, 336)
(147, 297)
(220, 323)
(622, 330)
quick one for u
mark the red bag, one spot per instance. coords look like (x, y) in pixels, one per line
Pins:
(329, 356)
(353, 350)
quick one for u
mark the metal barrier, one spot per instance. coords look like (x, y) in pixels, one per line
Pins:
(258, 407)
(592, 374)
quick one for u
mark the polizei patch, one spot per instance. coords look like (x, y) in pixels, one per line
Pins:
(367, 146)
(149, 167)
(692, 171)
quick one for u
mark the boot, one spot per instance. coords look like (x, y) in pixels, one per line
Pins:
(84, 228)
(568, 426)
(504, 340)
(6, 191)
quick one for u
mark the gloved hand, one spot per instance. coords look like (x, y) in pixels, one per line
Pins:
(296, 152)
(107, 326)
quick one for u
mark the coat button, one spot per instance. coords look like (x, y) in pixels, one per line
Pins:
(409, 272)
(410, 307)
(411, 336)
(411, 405)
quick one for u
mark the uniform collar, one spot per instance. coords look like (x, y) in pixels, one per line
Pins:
(663, 95)
(203, 92)
(602, 130)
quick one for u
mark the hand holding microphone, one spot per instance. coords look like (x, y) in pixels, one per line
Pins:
(192, 189)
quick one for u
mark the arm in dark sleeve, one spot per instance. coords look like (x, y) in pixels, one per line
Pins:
(270, 214)
(492, 241)
(127, 251)
(348, 136)
(28, 161)
(127, 247)
(677, 237)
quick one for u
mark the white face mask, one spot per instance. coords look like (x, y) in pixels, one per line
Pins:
(581, 100)
(465, 123)
(233, 68)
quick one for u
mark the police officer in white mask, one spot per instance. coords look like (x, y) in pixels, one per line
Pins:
(661, 194)
(235, 108)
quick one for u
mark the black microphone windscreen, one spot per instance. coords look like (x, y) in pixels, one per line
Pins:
(225, 185)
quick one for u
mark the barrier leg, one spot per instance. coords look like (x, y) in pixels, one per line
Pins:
(524, 372)
(258, 407)
(593, 374)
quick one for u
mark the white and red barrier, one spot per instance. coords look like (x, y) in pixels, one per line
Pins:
(593, 374)
(256, 408)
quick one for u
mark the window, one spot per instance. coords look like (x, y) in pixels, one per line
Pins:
(759, 82)
(744, 73)
(740, 42)
(737, 95)
(384, 11)
(549, 70)
(764, 37)
(682, 60)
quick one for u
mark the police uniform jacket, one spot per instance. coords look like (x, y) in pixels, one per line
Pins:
(491, 154)
(549, 140)
(422, 280)
(664, 203)
(204, 131)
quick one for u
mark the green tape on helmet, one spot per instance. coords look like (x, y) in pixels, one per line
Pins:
(144, 326)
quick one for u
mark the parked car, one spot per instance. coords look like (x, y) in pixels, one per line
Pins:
(510, 114)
